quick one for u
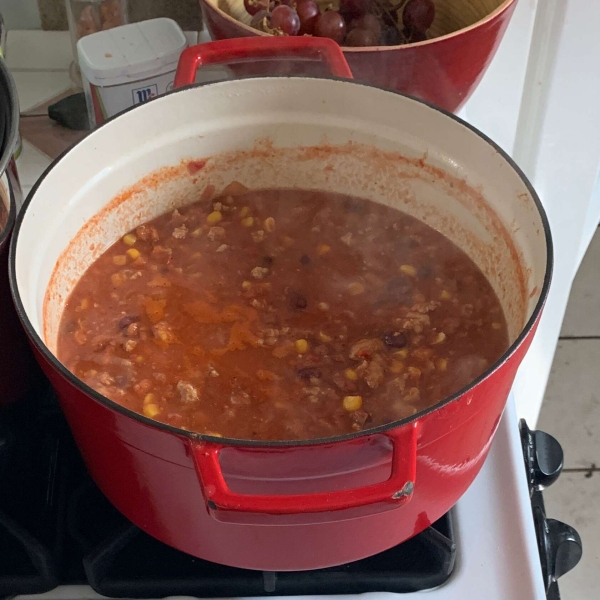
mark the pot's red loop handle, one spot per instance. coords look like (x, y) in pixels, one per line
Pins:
(225, 51)
(389, 494)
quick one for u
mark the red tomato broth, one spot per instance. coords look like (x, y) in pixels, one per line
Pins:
(295, 315)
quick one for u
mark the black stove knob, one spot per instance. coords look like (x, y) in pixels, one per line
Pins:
(560, 548)
(543, 457)
(548, 459)
(566, 547)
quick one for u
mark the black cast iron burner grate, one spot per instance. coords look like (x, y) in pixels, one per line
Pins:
(130, 563)
(56, 528)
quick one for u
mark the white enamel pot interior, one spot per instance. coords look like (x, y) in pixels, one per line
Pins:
(322, 134)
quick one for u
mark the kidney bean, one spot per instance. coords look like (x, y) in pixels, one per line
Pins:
(297, 300)
(395, 339)
(308, 373)
(127, 321)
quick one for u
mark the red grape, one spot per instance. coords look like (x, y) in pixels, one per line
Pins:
(254, 6)
(285, 19)
(413, 36)
(362, 37)
(392, 37)
(418, 15)
(354, 8)
(368, 22)
(308, 12)
(331, 24)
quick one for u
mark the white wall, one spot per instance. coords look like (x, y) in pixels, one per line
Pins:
(539, 100)
(20, 14)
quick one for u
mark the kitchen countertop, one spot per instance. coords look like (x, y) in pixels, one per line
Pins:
(39, 62)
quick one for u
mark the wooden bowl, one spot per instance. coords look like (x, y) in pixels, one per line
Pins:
(444, 69)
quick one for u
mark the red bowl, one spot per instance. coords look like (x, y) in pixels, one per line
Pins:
(444, 70)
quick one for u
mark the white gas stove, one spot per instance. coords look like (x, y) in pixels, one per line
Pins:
(497, 555)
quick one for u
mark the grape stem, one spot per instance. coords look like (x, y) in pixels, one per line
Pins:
(384, 7)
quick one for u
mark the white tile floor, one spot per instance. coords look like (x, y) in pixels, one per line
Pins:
(571, 409)
(571, 412)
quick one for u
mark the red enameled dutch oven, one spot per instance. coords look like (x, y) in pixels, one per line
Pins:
(444, 69)
(282, 505)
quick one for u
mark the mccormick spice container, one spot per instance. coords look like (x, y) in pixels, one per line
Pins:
(128, 65)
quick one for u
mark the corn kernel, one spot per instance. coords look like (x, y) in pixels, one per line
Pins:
(134, 253)
(352, 403)
(269, 224)
(149, 398)
(246, 285)
(397, 366)
(496, 325)
(248, 222)
(408, 270)
(441, 364)
(414, 372)
(197, 232)
(151, 410)
(287, 241)
(301, 346)
(439, 338)
(214, 217)
(445, 295)
(139, 359)
(351, 374)
(130, 239)
(119, 260)
(323, 306)
(401, 353)
(85, 303)
(323, 249)
(196, 255)
(324, 337)
(356, 288)
(117, 279)
(244, 212)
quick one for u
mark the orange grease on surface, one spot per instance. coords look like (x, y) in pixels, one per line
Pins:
(241, 317)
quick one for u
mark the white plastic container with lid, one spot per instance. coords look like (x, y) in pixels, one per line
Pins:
(128, 65)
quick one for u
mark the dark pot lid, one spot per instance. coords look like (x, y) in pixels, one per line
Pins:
(9, 116)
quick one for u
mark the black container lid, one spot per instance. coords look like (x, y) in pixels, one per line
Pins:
(9, 116)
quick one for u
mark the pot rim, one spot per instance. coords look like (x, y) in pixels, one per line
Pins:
(94, 395)
(12, 214)
(8, 87)
(489, 17)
